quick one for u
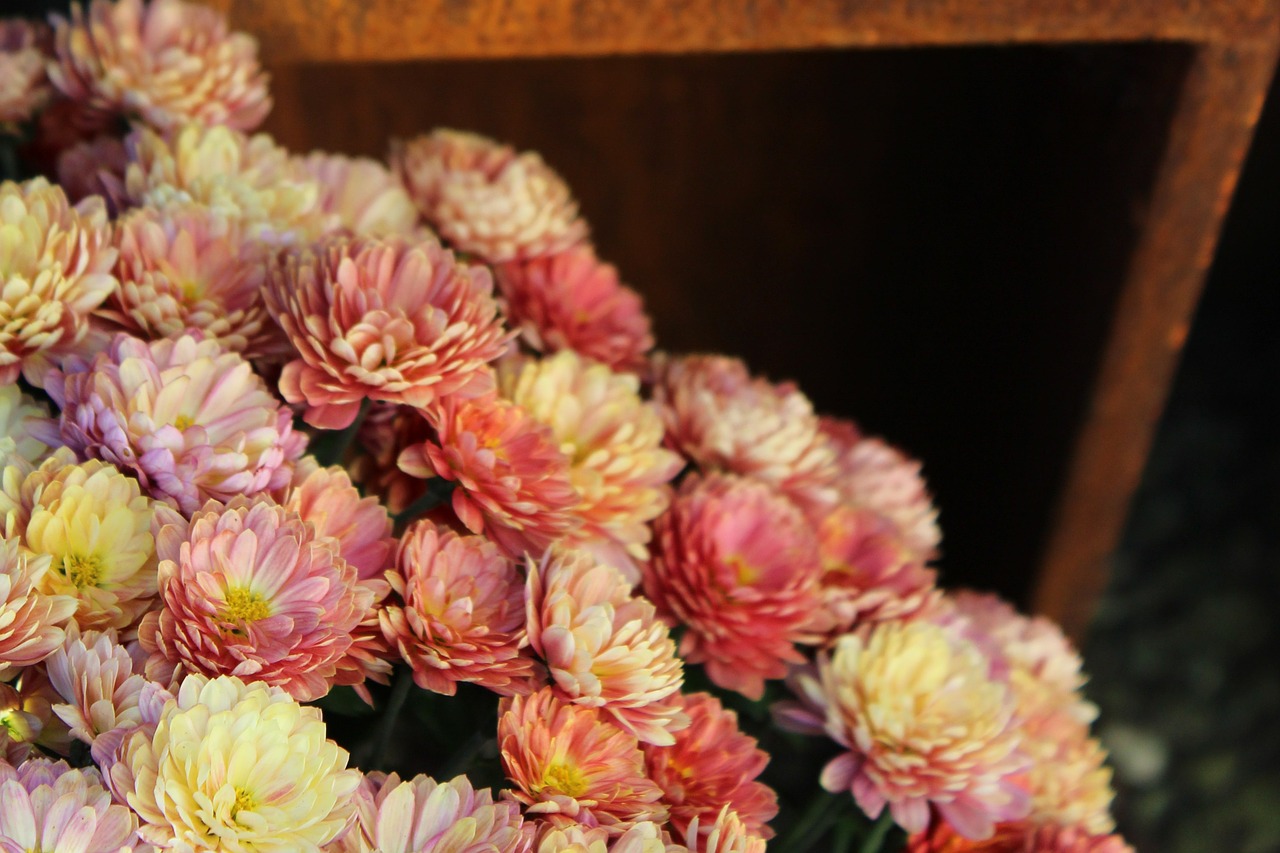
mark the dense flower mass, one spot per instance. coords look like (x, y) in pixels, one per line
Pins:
(30, 622)
(95, 677)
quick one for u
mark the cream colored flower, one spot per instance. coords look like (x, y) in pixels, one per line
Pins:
(18, 414)
(30, 621)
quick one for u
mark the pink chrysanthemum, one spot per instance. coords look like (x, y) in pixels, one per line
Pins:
(642, 837)
(512, 479)
(189, 420)
(49, 806)
(722, 418)
(327, 500)
(712, 764)
(726, 834)
(94, 676)
(604, 647)
(614, 442)
(55, 269)
(31, 623)
(23, 85)
(94, 167)
(572, 765)
(738, 565)
(461, 616)
(572, 301)
(359, 195)
(875, 476)
(486, 199)
(868, 573)
(1021, 837)
(925, 726)
(187, 267)
(385, 432)
(383, 320)
(249, 590)
(169, 62)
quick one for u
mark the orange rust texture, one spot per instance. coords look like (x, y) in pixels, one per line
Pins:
(393, 30)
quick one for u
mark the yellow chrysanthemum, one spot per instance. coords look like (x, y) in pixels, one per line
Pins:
(236, 767)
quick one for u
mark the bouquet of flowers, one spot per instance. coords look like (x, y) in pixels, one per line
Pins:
(347, 506)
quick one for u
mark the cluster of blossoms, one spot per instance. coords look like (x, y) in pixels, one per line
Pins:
(273, 425)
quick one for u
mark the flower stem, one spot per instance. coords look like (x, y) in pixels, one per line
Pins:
(329, 448)
(811, 826)
(875, 838)
(438, 491)
(387, 723)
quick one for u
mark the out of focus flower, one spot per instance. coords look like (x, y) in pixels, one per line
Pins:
(383, 320)
(614, 442)
(512, 480)
(55, 268)
(249, 590)
(359, 195)
(31, 622)
(722, 418)
(95, 525)
(486, 199)
(187, 267)
(878, 477)
(169, 62)
(25, 718)
(926, 728)
(1020, 837)
(385, 432)
(94, 167)
(461, 614)
(23, 85)
(94, 675)
(604, 647)
(572, 301)
(18, 415)
(279, 784)
(50, 806)
(737, 564)
(188, 419)
(570, 764)
(712, 764)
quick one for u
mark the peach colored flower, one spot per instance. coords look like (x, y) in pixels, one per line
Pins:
(604, 647)
(326, 499)
(512, 480)
(92, 167)
(31, 622)
(642, 837)
(614, 442)
(572, 765)
(386, 431)
(236, 766)
(737, 564)
(572, 301)
(486, 199)
(247, 589)
(46, 805)
(726, 834)
(1021, 837)
(722, 418)
(359, 195)
(875, 476)
(95, 677)
(169, 62)
(21, 419)
(384, 320)
(712, 764)
(189, 420)
(459, 614)
(55, 268)
(27, 719)
(23, 86)
(925, 726)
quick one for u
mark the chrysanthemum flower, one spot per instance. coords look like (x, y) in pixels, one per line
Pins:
(359, 195)
(738, 565)
(31, 622)
(614, 442)
(49, 806)
(169, 62)
(512, 479)
(1020, 837)
(604, 647)
(187, 267)
(249, 179)
(875, 476)
(327, 500)
(868, 573)
(55, 268)
(27, 719)
(249, 590)
(384, 320)
(189, 420)
(460, 614)
(385, 432)
(642, 837)
(95, 525)
(572, 301)
(722, 418)
(570, 764)
(712, 764)
(94, 675)
(925, 725)
(726, 834)
(94, 166)
(23, 85)
(19, 417)
(486, 199)
(236, 766)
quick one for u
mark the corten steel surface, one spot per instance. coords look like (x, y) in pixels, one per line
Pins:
(1235, 50)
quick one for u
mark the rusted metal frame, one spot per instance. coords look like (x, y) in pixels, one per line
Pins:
(1208, 138)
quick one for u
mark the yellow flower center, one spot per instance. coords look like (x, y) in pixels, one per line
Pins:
(82, 570)
(245, 605)
(192, 290)
(565, 778)
(244, 802)
(747, 573)
(183, 422)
